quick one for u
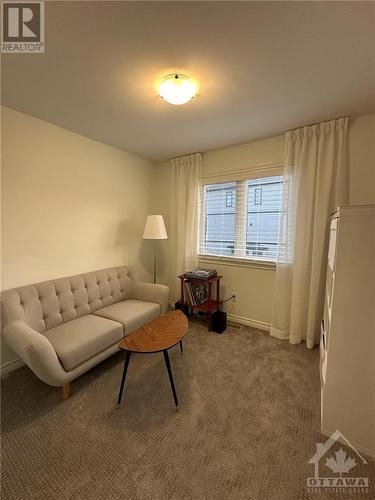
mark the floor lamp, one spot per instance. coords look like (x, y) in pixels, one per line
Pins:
(155, 230)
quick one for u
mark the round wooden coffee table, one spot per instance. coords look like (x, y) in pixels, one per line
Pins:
(159, 335)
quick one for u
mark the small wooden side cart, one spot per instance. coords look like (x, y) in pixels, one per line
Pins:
(211, 305)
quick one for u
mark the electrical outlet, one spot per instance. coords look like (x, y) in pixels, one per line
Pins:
(235, 296)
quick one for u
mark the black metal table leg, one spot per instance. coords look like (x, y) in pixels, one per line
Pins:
(126, 364)
(181, 347)
(166, 359)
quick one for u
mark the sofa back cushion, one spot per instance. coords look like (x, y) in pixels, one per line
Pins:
(50, 303)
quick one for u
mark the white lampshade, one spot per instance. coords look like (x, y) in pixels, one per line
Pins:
(155, 228)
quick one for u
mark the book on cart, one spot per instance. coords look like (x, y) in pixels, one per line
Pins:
(189, 294)
(195, 292)
(200, 273)
(199, 292)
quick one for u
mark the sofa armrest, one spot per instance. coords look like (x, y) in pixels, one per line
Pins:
(151, 292)
(36, 352)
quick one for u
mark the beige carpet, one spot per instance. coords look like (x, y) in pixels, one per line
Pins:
(248, 423)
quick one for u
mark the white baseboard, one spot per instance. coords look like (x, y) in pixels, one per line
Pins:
(249, 322)
(361, 449)
(10, 366)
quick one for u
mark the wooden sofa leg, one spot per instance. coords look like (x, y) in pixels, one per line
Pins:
(66, 391)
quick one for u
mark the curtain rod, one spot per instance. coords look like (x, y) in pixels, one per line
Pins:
(318, 123)
(189, 154)
(290, 129)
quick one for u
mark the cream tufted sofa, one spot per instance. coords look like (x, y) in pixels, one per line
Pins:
(62, 328)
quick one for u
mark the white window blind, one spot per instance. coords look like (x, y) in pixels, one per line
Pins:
(241, 218)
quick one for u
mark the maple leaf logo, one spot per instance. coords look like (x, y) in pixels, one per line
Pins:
(341, 464)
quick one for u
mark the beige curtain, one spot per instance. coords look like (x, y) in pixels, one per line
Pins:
(315, 183)
(186, 181)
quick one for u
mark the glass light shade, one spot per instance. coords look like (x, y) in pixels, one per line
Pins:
(177, 89)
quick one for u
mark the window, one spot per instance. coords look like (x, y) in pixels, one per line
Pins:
(219, 219)
(241, 219)
(229, 198)
(258, 196)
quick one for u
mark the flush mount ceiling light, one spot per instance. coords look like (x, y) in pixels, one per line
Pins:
(177, 89)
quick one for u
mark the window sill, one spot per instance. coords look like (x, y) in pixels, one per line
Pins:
(237, 262)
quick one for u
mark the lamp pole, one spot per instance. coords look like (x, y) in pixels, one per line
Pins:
(154, 261)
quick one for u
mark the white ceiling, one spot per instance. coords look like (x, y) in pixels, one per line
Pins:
(263, 67)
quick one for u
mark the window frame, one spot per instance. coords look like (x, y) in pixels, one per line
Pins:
(229, 192)
(266, 170)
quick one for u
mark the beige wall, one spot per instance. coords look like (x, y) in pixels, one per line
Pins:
(255, 287)
(362, 159)
(244, 156)
(69, 204)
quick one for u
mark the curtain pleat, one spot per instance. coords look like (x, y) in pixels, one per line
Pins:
(315, 183)
(185, 202)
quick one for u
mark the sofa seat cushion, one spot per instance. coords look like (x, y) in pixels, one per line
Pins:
(80, 339)
(131, 313)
